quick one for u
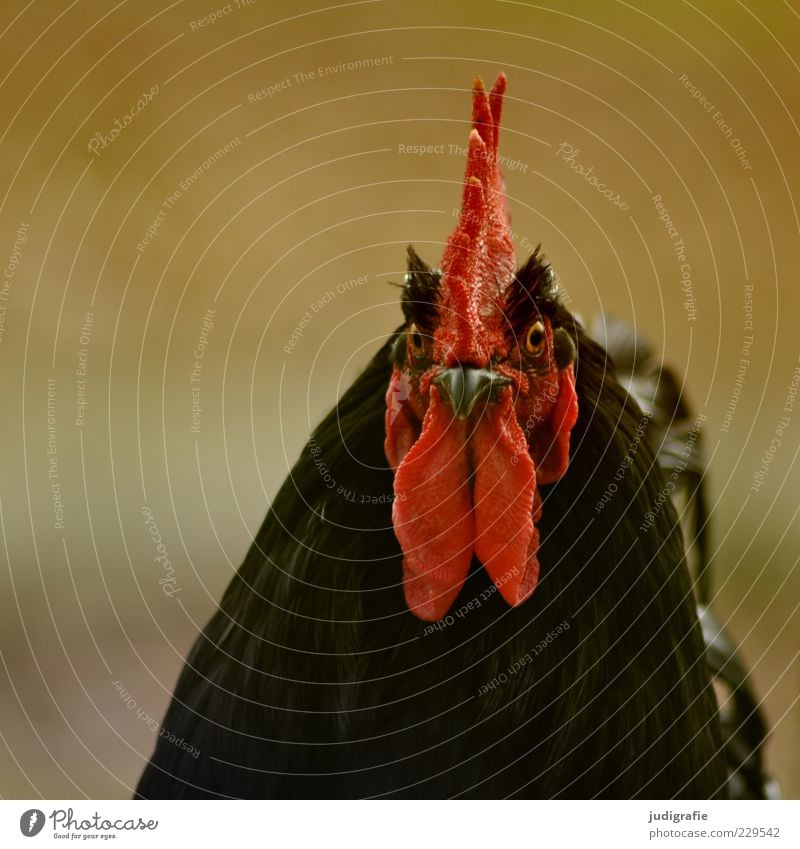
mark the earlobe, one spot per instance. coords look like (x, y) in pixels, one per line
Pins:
(565, 413)
(401, 433)
(564, 350)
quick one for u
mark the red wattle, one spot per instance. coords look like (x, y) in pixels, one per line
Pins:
(432, 513)
(507, 503)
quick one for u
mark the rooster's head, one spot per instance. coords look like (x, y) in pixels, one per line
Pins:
(482, 397)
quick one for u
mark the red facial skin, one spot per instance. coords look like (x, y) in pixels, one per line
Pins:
(465, 487)
(470, 486)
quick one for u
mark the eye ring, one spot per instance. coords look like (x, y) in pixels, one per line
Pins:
(536, 338)
(416, 341)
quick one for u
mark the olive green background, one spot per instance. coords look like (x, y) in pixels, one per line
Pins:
(290, 237)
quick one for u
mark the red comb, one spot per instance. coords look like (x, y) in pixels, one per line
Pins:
(478, 261)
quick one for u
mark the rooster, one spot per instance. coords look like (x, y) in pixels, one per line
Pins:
(473, 609)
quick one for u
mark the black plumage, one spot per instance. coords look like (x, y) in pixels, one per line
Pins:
(676, 435)
(314, 680)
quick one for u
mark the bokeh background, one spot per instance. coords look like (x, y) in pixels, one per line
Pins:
(183, 182)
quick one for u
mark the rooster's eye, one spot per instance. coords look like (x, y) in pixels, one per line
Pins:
(534, 341)
(416, 341)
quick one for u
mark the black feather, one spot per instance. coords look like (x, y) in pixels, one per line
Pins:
(420, 301)
(532, 292)
(563, 348)
(675, 437)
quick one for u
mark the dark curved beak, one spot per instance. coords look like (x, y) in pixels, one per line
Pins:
(462, 387)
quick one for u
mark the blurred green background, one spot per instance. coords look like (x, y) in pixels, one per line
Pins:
(182, 183)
